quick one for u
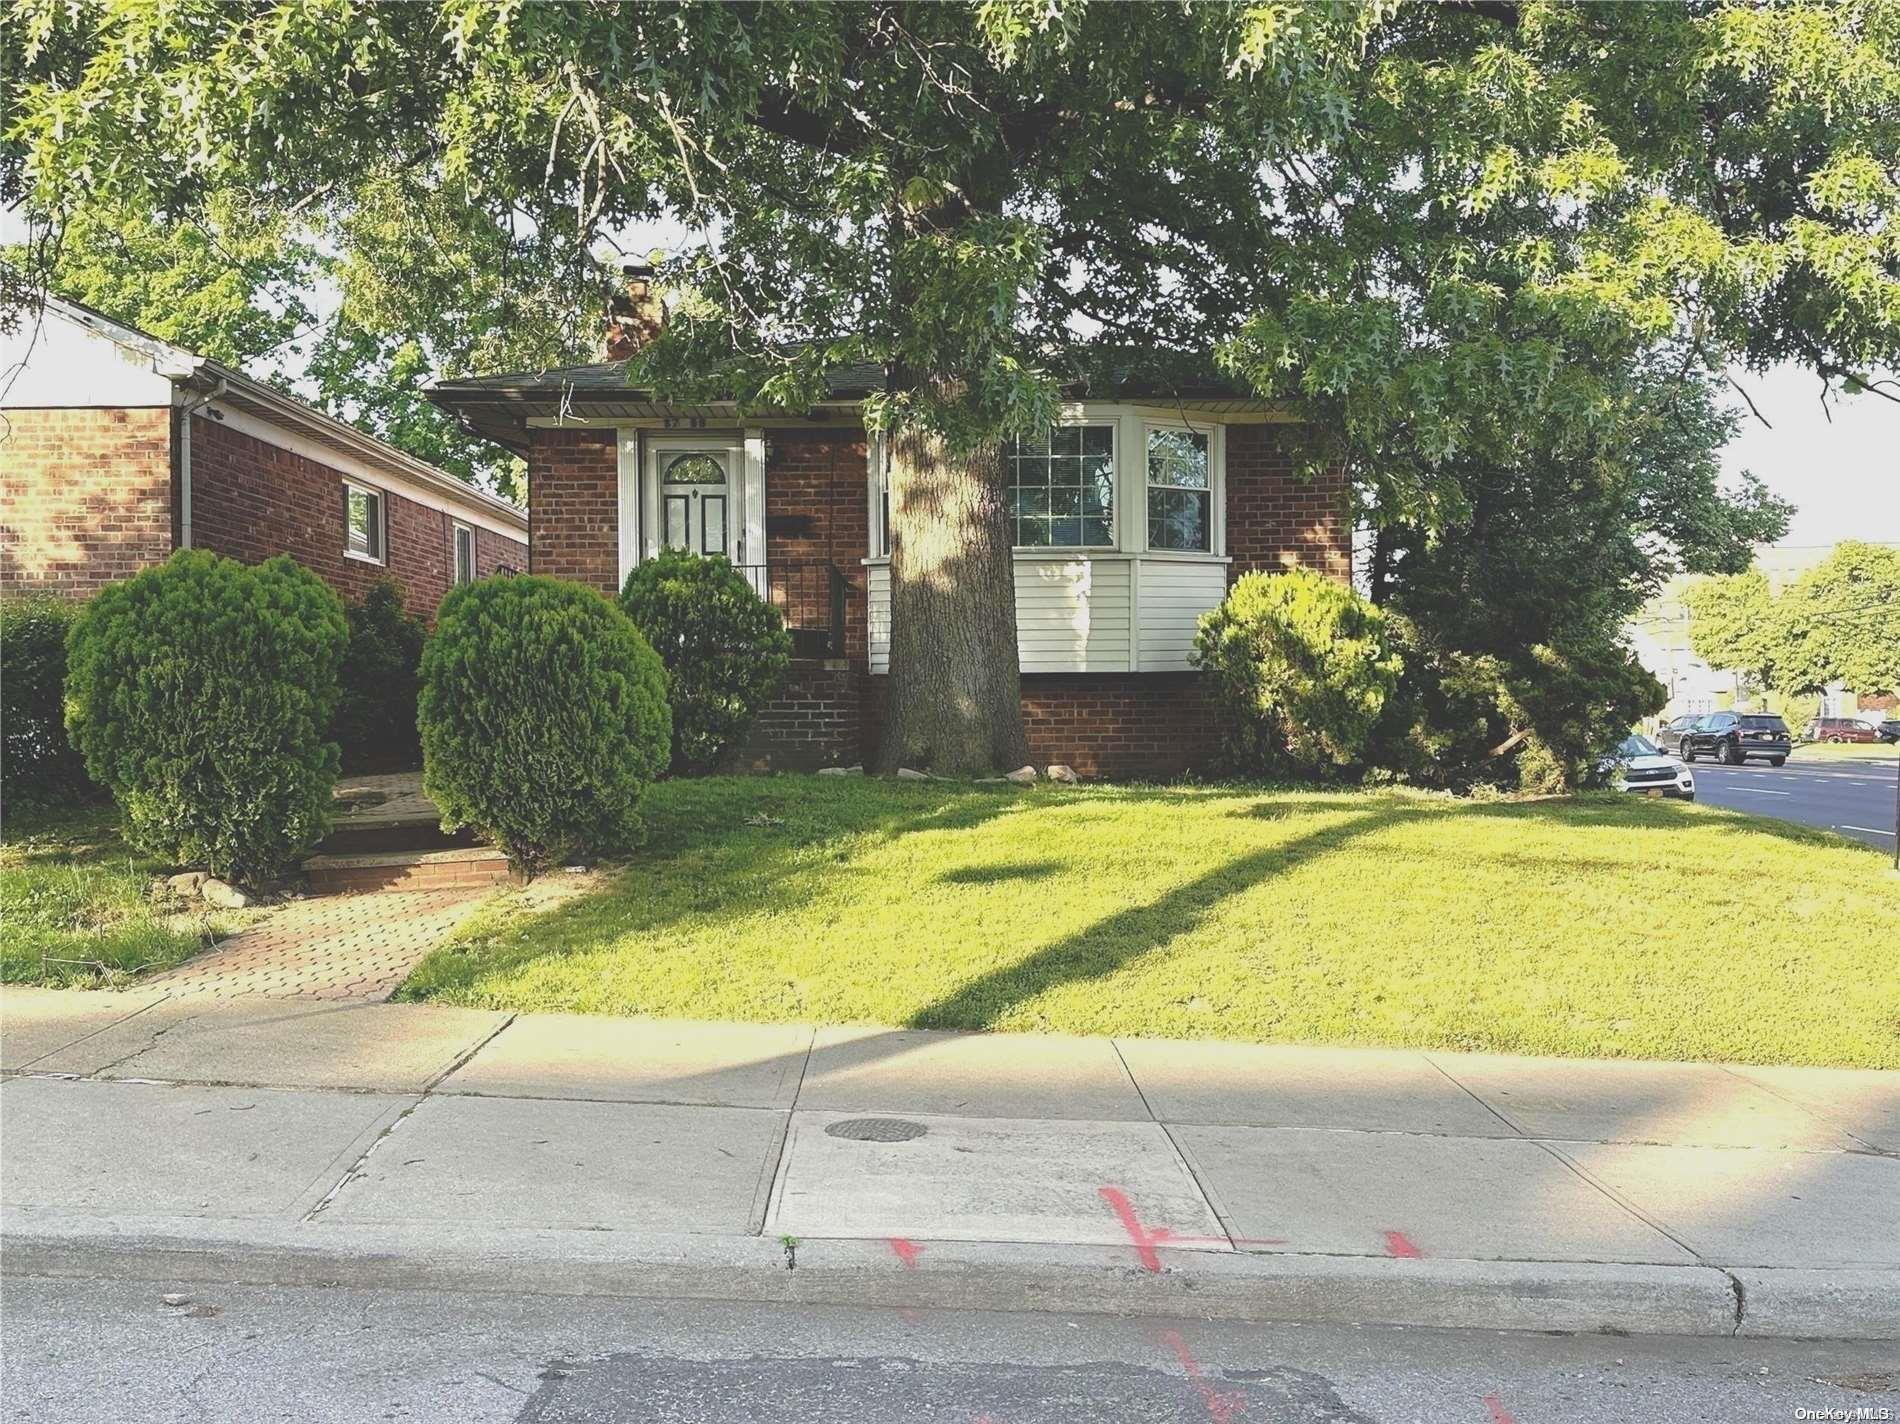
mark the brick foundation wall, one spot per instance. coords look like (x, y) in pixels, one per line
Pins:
(1276, 521)
(814, 722)
(1111, 724)
(251, 499)
(574, 506)
(86, 497)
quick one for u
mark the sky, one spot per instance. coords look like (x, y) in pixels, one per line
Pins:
(1843, 475)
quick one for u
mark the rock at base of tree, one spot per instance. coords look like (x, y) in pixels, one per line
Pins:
(1064, 774)
(1022, 775)
(223, 894)
(841, 771)
(186, 884)
(905, 773)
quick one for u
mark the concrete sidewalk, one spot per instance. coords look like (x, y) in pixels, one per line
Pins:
(277, 1142)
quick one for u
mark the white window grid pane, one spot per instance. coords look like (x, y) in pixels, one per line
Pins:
(1062, 487)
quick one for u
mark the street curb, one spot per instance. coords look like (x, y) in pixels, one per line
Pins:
(1499, 1295)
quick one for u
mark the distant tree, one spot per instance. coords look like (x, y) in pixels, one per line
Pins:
(229, 280)
(1734, 622)
(1840, 622)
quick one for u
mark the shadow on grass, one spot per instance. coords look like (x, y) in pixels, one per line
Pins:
(1127, 935)
(1001, 873)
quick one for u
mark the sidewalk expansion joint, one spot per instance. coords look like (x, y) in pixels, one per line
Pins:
(1617, 1197)
(359, 1168)
(462, 1058)
(1445, 1073)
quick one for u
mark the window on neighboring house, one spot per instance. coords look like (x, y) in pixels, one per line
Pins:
(1062, 488)
(1180, 509)
(464, 553)
(362, 523)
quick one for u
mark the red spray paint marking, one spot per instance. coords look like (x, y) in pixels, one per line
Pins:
(1397, 1243)
(1220, 1407)
(1499, 1414)
(1137, 1233)
(907, 1251)
(1162, 1234)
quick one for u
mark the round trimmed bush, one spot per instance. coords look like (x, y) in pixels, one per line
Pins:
(543, 715)
(376, 716)
(200, 693)
(1301, 670)
(724, 647)
(38, 763)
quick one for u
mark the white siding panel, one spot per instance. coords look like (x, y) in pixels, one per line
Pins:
(1174, 595)
(1074, 614)
(877, 613)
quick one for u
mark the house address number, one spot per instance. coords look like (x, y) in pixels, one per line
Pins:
(685, 422)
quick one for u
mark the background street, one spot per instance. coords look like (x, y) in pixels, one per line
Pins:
(1854, 798)
(114, 1352)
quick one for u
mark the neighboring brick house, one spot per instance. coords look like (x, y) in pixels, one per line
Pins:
(117, 448)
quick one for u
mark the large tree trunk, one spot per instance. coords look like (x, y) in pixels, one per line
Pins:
(955, 685)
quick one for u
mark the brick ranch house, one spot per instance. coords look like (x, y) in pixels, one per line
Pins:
(118, 448)
(1132, 519)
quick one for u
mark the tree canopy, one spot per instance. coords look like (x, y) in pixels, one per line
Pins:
(1437, 222)
(1475, 239)
(1839, 622)
(1734, 623)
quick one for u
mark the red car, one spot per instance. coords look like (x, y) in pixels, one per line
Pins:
(1839, 729)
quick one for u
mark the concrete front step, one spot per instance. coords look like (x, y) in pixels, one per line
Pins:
(406, 870)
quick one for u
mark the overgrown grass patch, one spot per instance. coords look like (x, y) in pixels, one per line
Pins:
(1599, 925)
(76, 908)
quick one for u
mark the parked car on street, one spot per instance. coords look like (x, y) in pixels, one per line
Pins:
(1734, 737)
(1669, 735)
(1839, 729)
(1645, 768)
(1889, 730)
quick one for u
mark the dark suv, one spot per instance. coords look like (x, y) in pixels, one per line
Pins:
(1734, 737)
(1669, 736)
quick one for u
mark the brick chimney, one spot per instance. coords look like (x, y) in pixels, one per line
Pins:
(635, 316)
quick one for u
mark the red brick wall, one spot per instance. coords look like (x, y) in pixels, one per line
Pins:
(86, 497)
(1275, 520)
(250, 500)
(574, 506)
(1111, 724)
(815, 512)
(814, 722)
(493, 553)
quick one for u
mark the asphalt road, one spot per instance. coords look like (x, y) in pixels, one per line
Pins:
(86, 1351)
(1854, 798)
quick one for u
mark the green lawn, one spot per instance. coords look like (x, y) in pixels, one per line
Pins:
(1603, 926)
(1845, 751)
(73, 892)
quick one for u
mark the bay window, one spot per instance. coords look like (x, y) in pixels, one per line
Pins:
(1061, 488)
(1180, 492)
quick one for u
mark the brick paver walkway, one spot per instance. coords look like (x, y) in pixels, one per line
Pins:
(327, 947)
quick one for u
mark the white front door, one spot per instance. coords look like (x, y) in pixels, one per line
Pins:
(697, 488)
